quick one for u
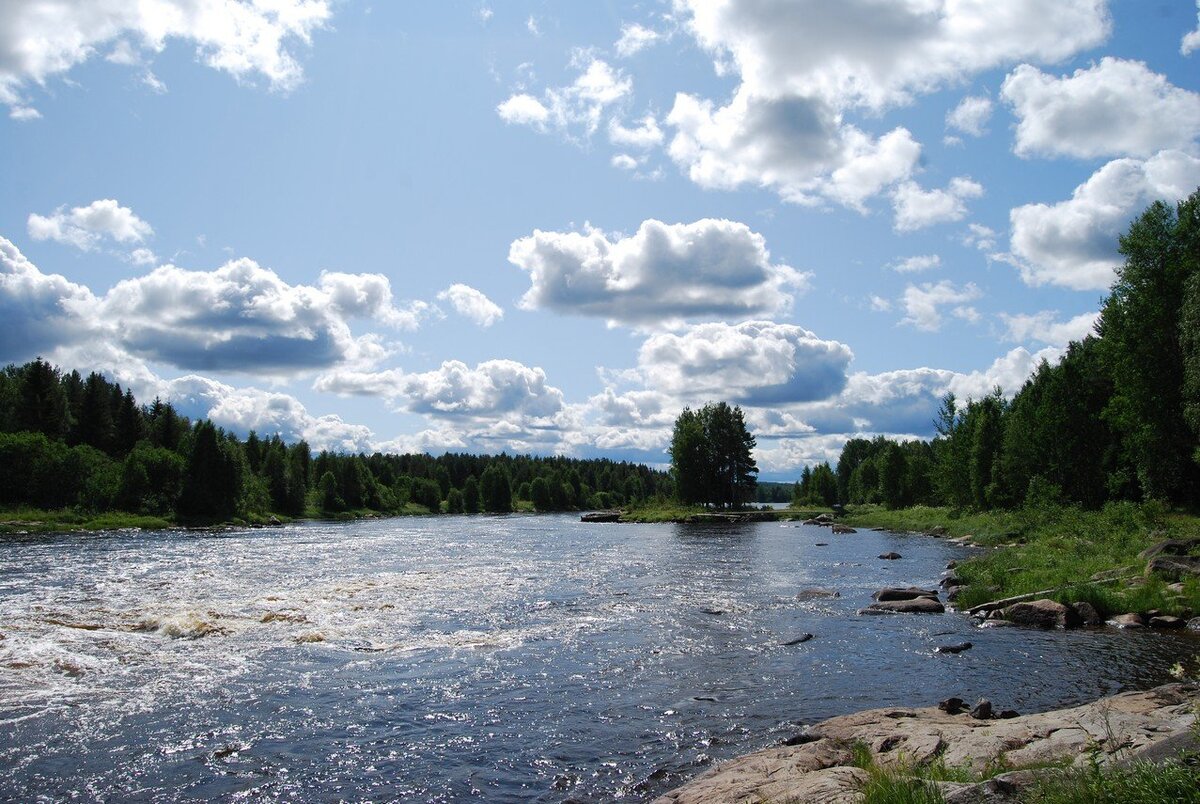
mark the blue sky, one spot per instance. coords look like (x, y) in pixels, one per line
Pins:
(545, 227)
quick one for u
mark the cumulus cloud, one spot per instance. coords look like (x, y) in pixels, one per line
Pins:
(970, 116)
(1044, 327)
(867, 53)
(917, 208)
(917, 264)
(42, 39)
(658, 277)
(473, 304)
(980, 237)
(85, 227)
(1074, 243)
(578, 106)
(1191, 41)
(646, 134)
(40, 311)
(493, 389)
(923, 303)
(756, 362)
(634, 39)
(796, 146)
(1115, 108)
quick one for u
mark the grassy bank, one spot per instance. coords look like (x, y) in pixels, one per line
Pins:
(1059, 548)
(670, 512)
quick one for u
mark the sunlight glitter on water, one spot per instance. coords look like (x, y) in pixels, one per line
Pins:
(508, 658)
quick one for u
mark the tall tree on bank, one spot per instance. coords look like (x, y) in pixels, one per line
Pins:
(712, 457)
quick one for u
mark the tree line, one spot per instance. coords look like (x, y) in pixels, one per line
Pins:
(69, 441)
(1117, 418)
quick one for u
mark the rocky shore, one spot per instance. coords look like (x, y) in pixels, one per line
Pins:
(819, 767)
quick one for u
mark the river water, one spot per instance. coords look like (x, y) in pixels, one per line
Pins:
(517, 658)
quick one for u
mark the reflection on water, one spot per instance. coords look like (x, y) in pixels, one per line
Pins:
(509, 658)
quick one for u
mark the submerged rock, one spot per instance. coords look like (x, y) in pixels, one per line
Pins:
(798, 640)
(1131, 620)
(890, 556)
(916, 605)
(817, 592)
(1087, 613)
(1167, 621)
(959, 648)
(904, 593)
(843, 529)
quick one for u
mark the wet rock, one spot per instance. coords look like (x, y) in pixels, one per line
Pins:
(959, 648)
(817, 592)
(1193, 624)
(1087, 613)
(999, 622)
(890, 556)
(950, 579)
(982, 710)
(951, 564)
(713, 612)
(798, 640)
(903, 593)
(843, 529)
(601, 516)
(937, 531)
(821, 544)
(1043, 613)
(704, 698)
(274, 522)
(1130, 620)
(801, 739)
(812, 522)
(953, 592)
(1167, 621)
(953, 706)
(916, 605)
(1174, 568)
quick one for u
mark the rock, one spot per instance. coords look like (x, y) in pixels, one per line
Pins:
(1007, 788)
(903, 593)
(798, 640)
(1087, 613)
(800, 739)
(843, 529)
(982, 709)
(1167, 621)
(951, 564)
(1008, 714)
(890, 556)
(1174, 568)
(950, 579)
(1193, 624)
(601, 516)
(959, 648)
(815, 592)
(916, 605)
(812, 522)
(953, 706)
(713, 612)
(953, 592)
(1043, 613)
(1171, 547)
(937, 531)
(274, 521)
(1130, 620)
(997, 623)
(821, 544)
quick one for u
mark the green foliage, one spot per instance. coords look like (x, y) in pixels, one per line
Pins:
(496, 489)
(712, 456)
(1139, 783)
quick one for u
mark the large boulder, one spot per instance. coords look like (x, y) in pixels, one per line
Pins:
(1131, 620)
(916, 605)
(1174, 568)
(904, 593)
(1172, 547)
(1043, 613)
(1087, 613)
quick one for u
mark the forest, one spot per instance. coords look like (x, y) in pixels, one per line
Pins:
(69, 441)
(1117, 418)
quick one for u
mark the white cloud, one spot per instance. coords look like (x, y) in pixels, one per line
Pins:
(503, 389)
(143, 256)
(531, 25)
(658, 277)
(484, 13)
(970, 116)
(756, 362)
(1115, 108)
(85, 227)
(1044, 327)
(917, 208)
(579, 105)
(645, 135)
(923, 303)
(1074, 243)
(794, 146)
(980, 237)
(1191, 41)
(867, 53)
(40, 311)
(1008, 372)
(917, 264)
(473, 304)
(879, 304)
(625, 162)
(634, 39)
(42, 39)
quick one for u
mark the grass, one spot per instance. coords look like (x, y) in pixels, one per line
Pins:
(1059, 548)
(33, 520)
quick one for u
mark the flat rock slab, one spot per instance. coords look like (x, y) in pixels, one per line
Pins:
(818, 771)
(916, 605)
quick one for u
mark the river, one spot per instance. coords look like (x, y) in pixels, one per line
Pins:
(515, 658)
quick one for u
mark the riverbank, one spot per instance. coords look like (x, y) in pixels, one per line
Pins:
(1120, 559)
(692, 514)
(941, 754)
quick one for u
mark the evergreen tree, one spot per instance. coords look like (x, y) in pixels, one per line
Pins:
(495, 488)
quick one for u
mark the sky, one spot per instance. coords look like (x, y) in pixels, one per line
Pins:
(546, 227)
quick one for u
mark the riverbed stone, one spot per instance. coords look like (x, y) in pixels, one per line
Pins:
(957, 648)
(1044, 613)
(903, 593)
(1167, 621)
(890, 556)
(1130, 620)
(844, 529)
(1087, 613)
(1194, 624)
(916, 605)
(818, 771)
